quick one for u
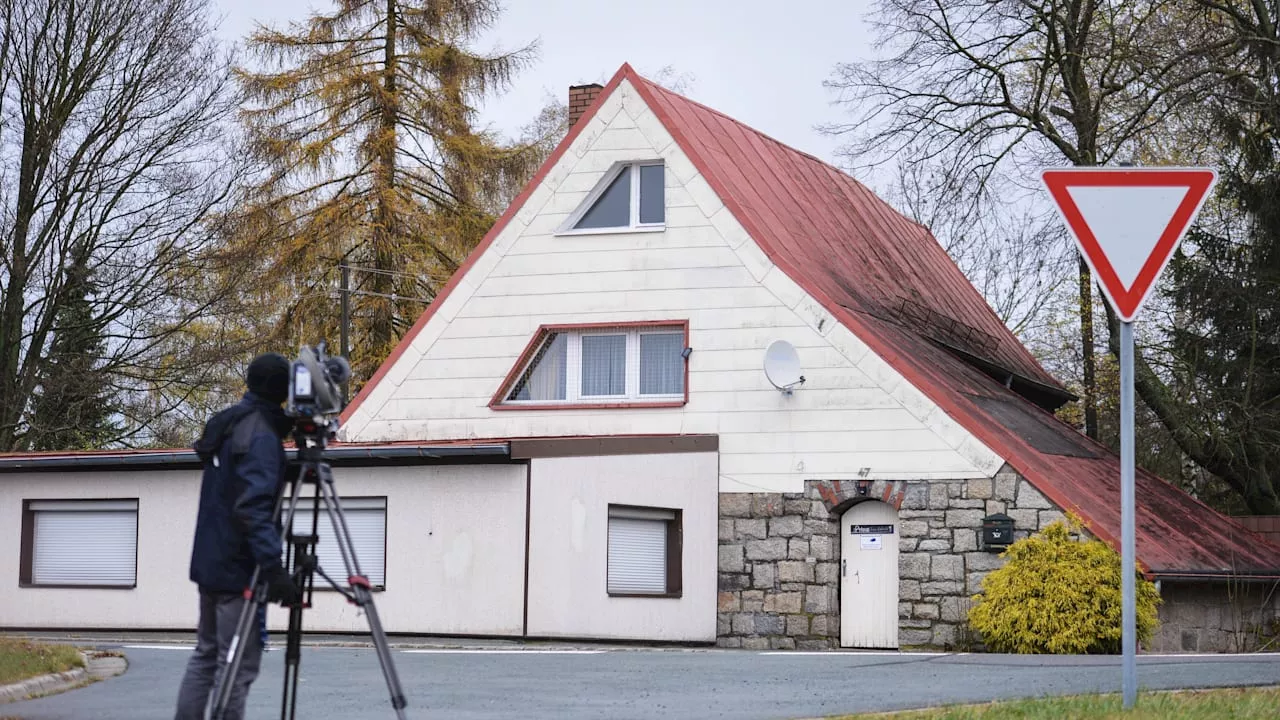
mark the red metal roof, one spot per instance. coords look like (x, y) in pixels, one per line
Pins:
(887, 280)
(890, 282)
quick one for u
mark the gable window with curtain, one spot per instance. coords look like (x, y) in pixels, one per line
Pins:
(630, 197)
(79, 543)
(644, 552)
(366, 520)
(622, 365)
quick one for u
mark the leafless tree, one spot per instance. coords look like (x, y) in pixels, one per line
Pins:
(987, 90)
(113, 165)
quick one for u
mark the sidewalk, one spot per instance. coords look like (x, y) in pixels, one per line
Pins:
(117, 638)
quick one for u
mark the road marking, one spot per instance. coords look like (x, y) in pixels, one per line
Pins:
(852, 653)
(490, 651)
(188, 648)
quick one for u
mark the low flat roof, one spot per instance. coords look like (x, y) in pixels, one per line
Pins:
(341, 454)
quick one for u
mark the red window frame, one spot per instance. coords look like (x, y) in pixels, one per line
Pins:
(498, 401)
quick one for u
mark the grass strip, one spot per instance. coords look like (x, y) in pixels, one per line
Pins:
(1221, 704)
(22, 659)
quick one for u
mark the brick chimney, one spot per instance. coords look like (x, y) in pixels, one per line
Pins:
(580, 98)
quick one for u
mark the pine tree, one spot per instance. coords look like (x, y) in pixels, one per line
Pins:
(365, 121)
(74, 406)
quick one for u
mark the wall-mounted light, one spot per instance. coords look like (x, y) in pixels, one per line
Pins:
(685, 353)
(864, 488)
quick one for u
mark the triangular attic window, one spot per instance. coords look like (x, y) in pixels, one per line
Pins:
(632, 196)
(613, 209)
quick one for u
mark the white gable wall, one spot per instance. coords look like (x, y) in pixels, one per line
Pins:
(854, 417)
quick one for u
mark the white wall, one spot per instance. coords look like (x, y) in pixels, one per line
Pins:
(163, 598)
(455, 552)
(855, 416)
(568, 546)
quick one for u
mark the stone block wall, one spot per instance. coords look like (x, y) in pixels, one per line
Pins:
(1222, 616)
(779, 558)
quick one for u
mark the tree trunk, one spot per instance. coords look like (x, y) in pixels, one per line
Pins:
(381, 330)
(1090, 399)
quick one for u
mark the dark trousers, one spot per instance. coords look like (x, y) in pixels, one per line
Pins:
(219, 613)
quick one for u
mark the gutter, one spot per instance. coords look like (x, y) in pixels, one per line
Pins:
(1211, 575)
(339, 455)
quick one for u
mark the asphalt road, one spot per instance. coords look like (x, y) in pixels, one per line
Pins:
(635, 683)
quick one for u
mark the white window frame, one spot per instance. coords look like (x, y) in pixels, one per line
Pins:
(573, 369)
(567, 228)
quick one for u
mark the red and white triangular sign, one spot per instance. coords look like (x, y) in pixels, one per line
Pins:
(1128, 222)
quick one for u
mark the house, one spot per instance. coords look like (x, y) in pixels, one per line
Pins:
(579, 438)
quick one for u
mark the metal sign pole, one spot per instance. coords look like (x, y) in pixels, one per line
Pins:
(1129, 614)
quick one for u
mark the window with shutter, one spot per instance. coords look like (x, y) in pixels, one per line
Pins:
(644, 551)
(367, 522)
(80, 543)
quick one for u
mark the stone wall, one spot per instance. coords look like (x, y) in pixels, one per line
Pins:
(1218, 617)
(780, 557)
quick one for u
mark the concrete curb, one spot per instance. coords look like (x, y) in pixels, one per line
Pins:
(43, 685)
(97, 667)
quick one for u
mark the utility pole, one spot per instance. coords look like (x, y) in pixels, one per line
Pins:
(345, 330)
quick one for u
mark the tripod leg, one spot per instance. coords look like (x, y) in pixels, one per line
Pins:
(304, 547)
(246, 627)
(360, 587)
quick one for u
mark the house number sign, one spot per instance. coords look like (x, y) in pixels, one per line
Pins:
(871, 529)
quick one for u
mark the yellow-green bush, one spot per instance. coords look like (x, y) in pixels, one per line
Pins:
(1057, 594)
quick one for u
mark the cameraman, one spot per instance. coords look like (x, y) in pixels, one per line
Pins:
(242, 450)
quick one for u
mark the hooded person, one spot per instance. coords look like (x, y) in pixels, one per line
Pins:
(244, 465)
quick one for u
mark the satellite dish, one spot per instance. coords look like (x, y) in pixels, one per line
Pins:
(782, 366)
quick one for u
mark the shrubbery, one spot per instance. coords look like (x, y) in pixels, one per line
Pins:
(1058, 594)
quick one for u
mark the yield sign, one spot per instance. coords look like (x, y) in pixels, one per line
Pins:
(1128, 222)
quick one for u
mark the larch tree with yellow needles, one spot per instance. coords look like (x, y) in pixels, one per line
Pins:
(364, 123)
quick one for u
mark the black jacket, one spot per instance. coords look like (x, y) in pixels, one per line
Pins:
(244, 465)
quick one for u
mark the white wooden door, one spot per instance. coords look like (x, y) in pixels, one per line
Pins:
(869, 576)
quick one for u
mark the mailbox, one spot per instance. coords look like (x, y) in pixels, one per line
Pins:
(997, 532)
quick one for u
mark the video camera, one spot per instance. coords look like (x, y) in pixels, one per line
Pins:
(315, 385)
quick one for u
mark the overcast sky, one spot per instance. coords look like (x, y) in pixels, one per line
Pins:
(758, 61)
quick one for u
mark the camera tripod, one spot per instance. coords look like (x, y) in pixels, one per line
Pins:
(300, 556)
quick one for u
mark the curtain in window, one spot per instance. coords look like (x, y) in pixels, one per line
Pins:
(604, 365)
(661, 367)
(545, 379)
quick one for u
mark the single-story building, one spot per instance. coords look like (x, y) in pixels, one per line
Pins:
(693, 386)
